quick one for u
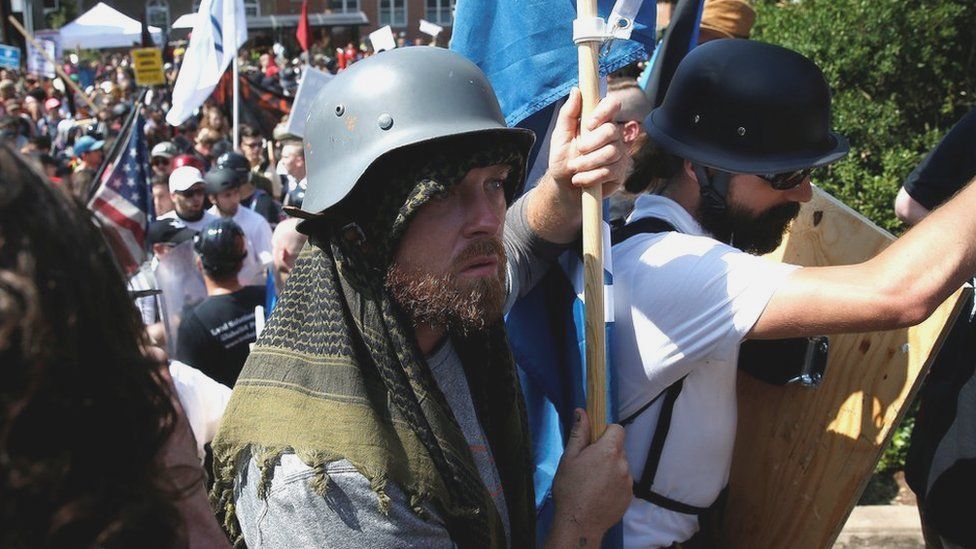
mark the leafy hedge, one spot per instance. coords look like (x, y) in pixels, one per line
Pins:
(902, 72)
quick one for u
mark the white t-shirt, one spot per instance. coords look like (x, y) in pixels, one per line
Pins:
(257, 233)
(683, 303)
(197, 225)
(203, 400)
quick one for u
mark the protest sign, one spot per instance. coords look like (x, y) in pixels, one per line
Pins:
(429, 28)
(308, 88)
(148, 66)
(37, 63)
(382, 39)
(9, 57)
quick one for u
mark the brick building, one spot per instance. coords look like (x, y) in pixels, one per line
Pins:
(333, 22)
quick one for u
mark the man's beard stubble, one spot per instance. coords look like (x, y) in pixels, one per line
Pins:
(462, 307)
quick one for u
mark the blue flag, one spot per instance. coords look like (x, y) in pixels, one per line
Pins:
(526, 48)
(679, 38)
(527, 52)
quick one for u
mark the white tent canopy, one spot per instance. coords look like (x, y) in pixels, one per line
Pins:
(185, 21)
(104, 27)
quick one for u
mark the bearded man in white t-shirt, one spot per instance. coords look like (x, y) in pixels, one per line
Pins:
(742, 125)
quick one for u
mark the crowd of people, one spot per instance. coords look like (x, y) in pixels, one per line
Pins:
(322, 346)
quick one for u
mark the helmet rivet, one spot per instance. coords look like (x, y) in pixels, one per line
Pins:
(696, 119)
(340, 110)
(742, 131)
(385, 121)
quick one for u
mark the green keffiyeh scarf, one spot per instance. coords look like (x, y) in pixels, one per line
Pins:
(337, 374)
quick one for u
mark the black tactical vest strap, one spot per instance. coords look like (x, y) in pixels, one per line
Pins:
(642, 488)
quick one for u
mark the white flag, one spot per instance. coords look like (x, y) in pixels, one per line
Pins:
(219, 29)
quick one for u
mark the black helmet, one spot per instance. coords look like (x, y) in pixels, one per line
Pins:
(235, 161)
(747, 107)
(221, 247)
(221, 179)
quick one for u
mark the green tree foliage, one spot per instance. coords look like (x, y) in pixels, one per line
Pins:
(902, 73)
(65, 14)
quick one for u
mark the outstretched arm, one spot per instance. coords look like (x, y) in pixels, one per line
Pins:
(899, 287)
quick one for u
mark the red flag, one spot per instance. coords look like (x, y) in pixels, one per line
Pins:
(302, 33)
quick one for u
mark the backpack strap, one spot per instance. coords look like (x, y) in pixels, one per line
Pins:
(640, 226)
(642, 488)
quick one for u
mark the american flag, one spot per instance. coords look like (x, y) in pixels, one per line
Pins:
(123, 200)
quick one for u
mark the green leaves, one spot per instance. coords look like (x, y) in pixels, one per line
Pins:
(902, 73)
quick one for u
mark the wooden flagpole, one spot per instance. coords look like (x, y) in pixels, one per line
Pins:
(596, 375)
(57, 68)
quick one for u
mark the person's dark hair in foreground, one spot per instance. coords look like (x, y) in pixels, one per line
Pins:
(84, 413)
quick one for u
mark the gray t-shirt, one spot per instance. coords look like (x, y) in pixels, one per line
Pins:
(293, 515)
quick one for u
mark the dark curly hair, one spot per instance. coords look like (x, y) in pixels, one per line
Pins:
(83, 412)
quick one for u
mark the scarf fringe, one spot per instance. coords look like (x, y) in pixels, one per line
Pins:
(222, 494)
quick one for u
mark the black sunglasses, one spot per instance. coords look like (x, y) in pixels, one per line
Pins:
(786, 180)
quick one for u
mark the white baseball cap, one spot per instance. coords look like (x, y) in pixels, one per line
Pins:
(183, 178)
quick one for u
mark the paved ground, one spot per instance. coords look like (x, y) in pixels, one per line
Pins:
(882, 527)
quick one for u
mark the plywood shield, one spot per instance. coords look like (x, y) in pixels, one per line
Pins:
(803, 456)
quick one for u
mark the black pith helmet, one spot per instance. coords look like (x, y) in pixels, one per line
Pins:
(235, 161)
(221, 179)
(221, 247)
(747, 107)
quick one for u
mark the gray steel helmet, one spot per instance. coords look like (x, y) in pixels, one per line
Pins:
(389, 101)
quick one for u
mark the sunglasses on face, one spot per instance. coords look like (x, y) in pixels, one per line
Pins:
(251, 145)
(786, 180)
(160, 161)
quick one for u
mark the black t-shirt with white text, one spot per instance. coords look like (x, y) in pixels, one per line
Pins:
(215, 335)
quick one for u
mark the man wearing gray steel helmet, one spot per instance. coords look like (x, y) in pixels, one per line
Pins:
(381, 406)
(743, 123)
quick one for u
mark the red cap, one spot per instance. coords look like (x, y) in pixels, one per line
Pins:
(188, 160)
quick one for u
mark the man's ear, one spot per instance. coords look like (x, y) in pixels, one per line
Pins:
(632, 129)
(689, 171)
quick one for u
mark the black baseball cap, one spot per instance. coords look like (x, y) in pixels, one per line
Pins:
(169, 231)
(221, 179)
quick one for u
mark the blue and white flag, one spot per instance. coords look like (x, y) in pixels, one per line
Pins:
(218, 30)
(526, 49)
